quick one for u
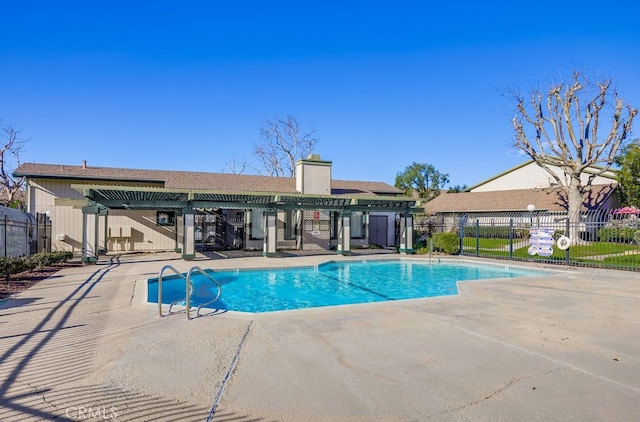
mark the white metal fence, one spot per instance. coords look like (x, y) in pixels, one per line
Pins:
(600, 239)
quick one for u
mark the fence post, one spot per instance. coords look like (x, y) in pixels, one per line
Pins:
(511, 239)
(478, 237)
(461, 233)
(567, 254)
(6, 234)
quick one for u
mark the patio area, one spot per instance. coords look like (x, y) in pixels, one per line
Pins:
(83, 345)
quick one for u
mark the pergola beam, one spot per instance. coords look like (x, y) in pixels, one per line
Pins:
(149, 198)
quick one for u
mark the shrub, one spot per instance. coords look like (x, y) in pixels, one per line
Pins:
(10, 266)
(42, 259)
(446, 242)
(420, 244)
(46, 259)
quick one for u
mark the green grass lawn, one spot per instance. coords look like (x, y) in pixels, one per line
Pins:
(593, 253)
(486, 244)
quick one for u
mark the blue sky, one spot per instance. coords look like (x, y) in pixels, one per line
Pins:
(187, 85)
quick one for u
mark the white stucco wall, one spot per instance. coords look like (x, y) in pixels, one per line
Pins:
(532, 176)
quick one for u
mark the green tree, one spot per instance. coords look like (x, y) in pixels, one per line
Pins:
(576, 125)
(457, 188)
(422, 179)
(629, 174)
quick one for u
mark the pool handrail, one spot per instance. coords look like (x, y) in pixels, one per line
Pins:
(207, 275)
(179, 274)
(188, 286)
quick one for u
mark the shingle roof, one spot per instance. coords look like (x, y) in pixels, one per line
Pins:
(358, 187)
(514, 200)
(196, 180)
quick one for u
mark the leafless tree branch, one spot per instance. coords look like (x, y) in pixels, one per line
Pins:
(283, 145)
(235, 167)
(575, 145)
(10, 148)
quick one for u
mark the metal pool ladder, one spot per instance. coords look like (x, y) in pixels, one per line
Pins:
(188, 290)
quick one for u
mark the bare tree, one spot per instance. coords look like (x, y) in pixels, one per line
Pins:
(10, 147)
(235, 167)
(283, 146)
(562, 129)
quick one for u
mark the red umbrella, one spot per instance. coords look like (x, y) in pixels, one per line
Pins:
(626, 210)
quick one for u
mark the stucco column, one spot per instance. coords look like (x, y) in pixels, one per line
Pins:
(270, 233)
(406, 234)
(188, 234)
(344, 233)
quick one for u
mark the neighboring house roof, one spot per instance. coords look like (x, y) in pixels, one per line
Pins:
(196, 180)
(355, 188)
(515, 200)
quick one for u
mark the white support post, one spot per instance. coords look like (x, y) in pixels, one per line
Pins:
(105, 214)
(90, 234)
(188, 235)
(344, 233)
(270, 233)
(406, 234)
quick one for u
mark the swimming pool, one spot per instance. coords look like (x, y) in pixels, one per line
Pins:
(331, 283)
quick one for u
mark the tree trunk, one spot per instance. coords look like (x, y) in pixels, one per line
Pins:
(575, 205)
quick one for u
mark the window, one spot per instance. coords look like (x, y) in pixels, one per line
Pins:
(257, 229)
(165, 218)
(290, 224)
(333, 224)
(357, 225)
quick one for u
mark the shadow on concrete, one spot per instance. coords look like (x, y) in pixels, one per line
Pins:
(44, 369)
(16, 302)
(231, 416)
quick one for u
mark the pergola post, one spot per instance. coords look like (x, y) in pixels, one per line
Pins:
(406, 233)
(177, 248)
(270, 233)
(90, 228)
(188, 234)
(344, 233)
(103, 212)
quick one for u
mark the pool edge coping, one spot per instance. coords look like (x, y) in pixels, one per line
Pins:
(463, 287)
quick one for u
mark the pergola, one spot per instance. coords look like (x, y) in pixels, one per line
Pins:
(187, 202)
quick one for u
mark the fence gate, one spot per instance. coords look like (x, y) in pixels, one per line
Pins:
(43, 233)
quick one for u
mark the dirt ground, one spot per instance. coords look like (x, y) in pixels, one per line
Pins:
(22, 281)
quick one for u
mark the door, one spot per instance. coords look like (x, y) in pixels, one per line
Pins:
(378, 230)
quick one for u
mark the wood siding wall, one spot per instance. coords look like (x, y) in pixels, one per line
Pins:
(141, 233)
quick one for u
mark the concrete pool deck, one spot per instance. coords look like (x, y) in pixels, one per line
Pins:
(80, 345)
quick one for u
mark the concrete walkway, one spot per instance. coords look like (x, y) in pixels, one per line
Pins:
(83, 345)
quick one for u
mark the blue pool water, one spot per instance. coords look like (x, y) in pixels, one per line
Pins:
(333, 283)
